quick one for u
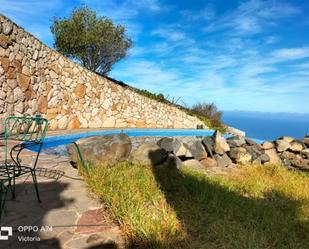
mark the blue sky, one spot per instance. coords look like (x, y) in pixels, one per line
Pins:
(242, 55)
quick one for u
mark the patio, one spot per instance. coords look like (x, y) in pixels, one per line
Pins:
(76, 219)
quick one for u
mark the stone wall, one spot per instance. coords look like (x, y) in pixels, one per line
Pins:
(35, 78)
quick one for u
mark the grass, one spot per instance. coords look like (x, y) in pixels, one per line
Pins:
(162, 207)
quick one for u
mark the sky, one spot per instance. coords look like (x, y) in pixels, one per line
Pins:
(242, 55)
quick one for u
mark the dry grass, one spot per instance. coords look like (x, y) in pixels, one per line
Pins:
(162, 207)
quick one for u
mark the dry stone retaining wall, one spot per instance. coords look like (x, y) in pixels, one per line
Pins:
(35, 78)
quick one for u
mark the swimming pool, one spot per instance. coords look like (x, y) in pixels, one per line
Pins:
(53, 141)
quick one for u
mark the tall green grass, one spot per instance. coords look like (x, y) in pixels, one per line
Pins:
(136, 201)
(162, 207)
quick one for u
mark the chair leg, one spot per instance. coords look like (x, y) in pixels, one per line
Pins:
(35, 183)
(12, 188)
(2, 197)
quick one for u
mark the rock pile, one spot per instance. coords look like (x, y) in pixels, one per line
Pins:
(196, 153)
(217, 151)
(213, 151)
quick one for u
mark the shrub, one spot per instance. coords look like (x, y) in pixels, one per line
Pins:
(210, 111)
(159, 97)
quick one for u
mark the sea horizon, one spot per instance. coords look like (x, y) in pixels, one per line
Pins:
(268, 125)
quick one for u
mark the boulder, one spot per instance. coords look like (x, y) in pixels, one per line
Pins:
(282, 145)
(249, 141)
(209, 145)
(236, 141)
(287, 139)
(305, 153)
(107, 149)
(240, 155)
(193, 164)
(148, 153)
(209, 162)
(221, 146)
(267, 145)
(273, 156)
(233, 131)
(287, 157)
(174, 160)
(254, 150)
(167, 144)
(296, 146)
(182, 150)
(300, 162)
(257, 161)
(286, 162)
(223, 161)
(189, 139)
(261, 159)
(197, 149)
(264, 158)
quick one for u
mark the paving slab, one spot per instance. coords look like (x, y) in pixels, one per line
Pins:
(68, 216)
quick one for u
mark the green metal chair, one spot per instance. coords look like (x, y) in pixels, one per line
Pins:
(29, 133)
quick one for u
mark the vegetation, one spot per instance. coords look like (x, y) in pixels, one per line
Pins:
(137, 203)
(94, 41)
(162, 207)
(210, 111)
(158, 97)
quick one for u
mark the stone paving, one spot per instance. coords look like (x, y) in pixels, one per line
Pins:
(68, 217)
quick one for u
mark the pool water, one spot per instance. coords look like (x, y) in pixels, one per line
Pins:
(53, 141)
(58, 144)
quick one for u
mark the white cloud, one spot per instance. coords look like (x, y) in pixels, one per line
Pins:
(291, 53)
(152, 5)
(207, 13)
(302, 65)
(126, 10)
(252, 17)
(271, 40)
(169, 34)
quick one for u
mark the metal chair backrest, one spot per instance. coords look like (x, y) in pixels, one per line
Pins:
(29, 130)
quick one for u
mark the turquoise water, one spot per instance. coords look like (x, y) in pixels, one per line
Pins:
(54, 141)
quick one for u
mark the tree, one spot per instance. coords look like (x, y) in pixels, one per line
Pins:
(96, 42)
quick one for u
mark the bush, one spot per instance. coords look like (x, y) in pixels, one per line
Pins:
(159, 97)
(210, 111)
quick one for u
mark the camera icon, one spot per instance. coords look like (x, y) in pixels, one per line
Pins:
(5, 233)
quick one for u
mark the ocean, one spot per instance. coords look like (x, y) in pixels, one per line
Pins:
(268, 126)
